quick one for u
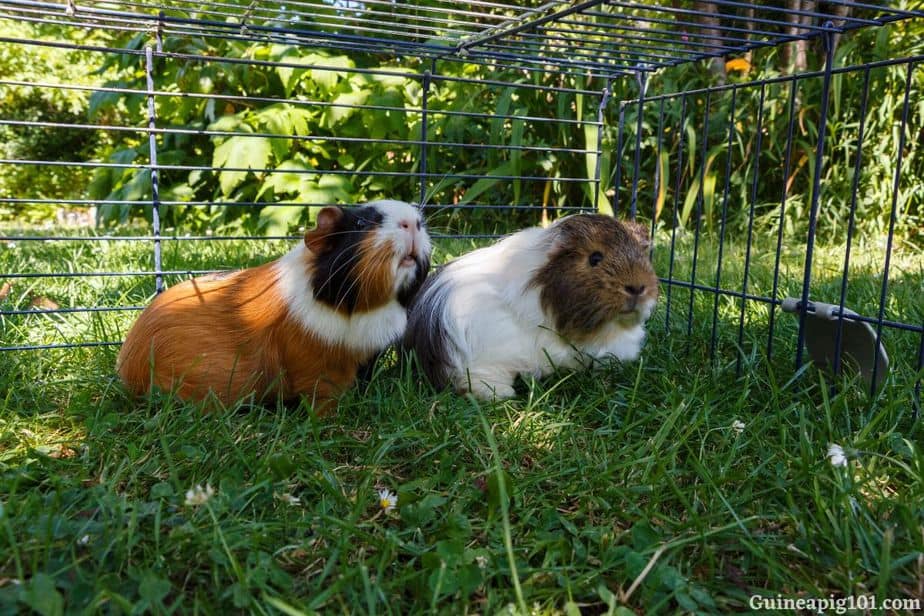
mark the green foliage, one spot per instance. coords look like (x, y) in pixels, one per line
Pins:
(29, 107)
(702, 187)
(309, 131)
(331, 127)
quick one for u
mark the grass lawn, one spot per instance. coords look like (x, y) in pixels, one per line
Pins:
(664, 485)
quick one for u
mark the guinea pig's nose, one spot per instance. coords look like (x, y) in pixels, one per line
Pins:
(407, 224)
(635, 290)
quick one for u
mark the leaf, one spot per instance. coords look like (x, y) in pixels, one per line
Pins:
(138, 188)
(103, 100)
(485, 183)
(663, 181)
(162, 490)
(708, 193)
(644, 536)
(382, 123)
(240, 153)
(591, 132)
(422, 512)
(278, 219)
(230, 123)
(572, 609)
(42, 596)
(607, 596)
(327, 189)
(284, 607)
(277, 120)
(281, 465)
(153, 588)
(327, 78)
(690, 131)
(290, 75)
(288, 177)
(504, 99)
(336, 115)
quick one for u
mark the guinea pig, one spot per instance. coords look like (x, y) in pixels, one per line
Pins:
(300, 325)
(566, 296)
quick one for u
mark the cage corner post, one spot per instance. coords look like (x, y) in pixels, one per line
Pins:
(425, 83)
(816, 190)
(617, 166)
(598, 155)
(641, 78)
(152, 160)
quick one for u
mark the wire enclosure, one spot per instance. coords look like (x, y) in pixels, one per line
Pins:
(691, 161)
(600, 37)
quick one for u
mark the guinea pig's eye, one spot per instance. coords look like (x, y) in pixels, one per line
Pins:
(361, 223)
(595, 258)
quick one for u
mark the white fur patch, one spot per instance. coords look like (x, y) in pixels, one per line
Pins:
(403, 242)
(366, 332)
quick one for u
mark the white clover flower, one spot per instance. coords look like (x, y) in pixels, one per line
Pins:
(738, 426)
(288, 498)
(84, 540)
(836, 455)
(388, 500)
(199, 496)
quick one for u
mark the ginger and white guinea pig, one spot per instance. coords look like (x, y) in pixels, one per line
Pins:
(566, 296)
(300, 325)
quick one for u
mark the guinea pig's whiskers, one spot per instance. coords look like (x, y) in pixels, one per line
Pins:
(437, 211)
(333, 274)
(377, 260)
(346, 263)
(358, 276)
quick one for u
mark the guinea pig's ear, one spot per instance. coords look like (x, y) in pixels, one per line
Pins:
(318, 240)
(639, 231)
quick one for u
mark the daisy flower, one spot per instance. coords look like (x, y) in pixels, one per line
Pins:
(738, 426)
(836, 455)
(198, 495)
(388, 500)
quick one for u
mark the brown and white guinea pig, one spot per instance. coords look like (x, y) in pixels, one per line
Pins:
(562, 297)
(300, 325)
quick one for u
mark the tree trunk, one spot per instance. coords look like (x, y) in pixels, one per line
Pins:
(710, 21)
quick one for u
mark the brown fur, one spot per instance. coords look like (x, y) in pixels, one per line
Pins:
(583, 297)
(231, 336)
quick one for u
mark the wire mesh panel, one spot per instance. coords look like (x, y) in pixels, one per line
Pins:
(247, 117)
(259, 167)
(734, 244)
